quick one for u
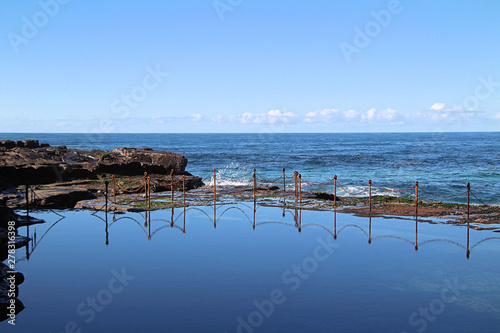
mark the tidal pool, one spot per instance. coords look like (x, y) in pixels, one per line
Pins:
(255, 269)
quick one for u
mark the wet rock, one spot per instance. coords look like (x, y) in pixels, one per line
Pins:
(325, 196)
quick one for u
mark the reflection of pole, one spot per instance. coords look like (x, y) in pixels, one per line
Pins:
(148, 214)
(370, 231)
(416, 233)
(468, 250)
(296, 217)
(172, 217)
(184, 221)
(335, 224)
(300, 219)
(106, 183)
(215, 215)
(254, 210)
(28, 251)
(106, 231)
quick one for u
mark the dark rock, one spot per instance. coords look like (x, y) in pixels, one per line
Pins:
(65, 199)
(8, 144)
(31, 144)
(325, 196)
(163, 184)
(41, 164)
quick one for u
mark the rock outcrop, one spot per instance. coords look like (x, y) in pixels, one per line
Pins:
(28, 162)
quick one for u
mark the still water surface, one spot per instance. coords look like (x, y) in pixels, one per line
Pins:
(280, 271)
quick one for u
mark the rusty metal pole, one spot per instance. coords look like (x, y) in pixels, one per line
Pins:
(416, 199)
(106, 194)
(468, 201)
(114, 187)
(254, 183)
(149, 192)
(145, 187)
(284, 181)
(335, 191)
(370, 193)
(172, 184)
(215, 187)
(300, 188)
(184, 189)
(295, 179)
(26, 194)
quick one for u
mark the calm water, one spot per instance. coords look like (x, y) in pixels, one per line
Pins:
(282, 271)
(443, 163)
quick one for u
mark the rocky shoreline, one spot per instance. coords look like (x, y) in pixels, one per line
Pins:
(65, 176)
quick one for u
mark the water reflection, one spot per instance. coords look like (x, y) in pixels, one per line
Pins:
(175, 219)
(251, 219)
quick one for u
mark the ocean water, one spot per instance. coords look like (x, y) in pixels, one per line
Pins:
(442, 163)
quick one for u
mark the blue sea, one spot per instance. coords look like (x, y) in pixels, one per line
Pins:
(442, 163)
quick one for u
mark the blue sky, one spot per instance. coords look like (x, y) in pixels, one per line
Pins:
(249, 66)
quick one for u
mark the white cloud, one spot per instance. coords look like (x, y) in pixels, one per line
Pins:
(351, 114)
(438, 106)
(196, 116)
(325, 115)
(216, 119)
(270, 117)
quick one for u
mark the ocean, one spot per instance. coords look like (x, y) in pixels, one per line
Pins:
(442, 163)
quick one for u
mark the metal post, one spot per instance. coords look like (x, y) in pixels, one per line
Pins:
(335, 190)
(27, 200)
(149, 192)
(254, 183)
(172, 184)
(145, 187)
(184, 189)
(106, 194)
(300, 188)
(416, 199)
(114, 187)
(284, 181)
(295, 179)
(468, 201)
(370, 193)
(215, 187)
